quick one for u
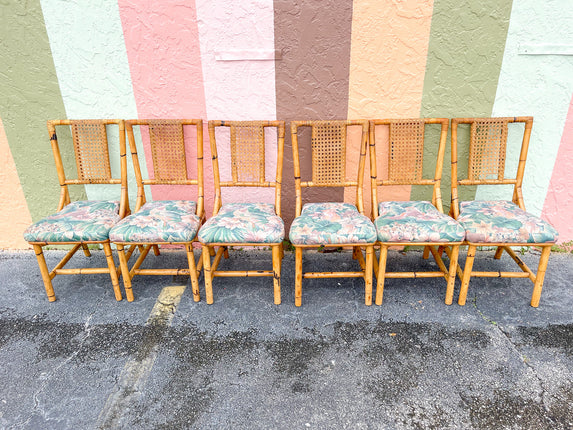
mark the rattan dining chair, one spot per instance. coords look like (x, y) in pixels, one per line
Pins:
(332, 223)
(414, 223)
(83, 223)
(246, 223)
(175, 145)
(499, 223)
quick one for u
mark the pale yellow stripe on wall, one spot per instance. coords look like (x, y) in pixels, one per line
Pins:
(13, 207)
(387, 65)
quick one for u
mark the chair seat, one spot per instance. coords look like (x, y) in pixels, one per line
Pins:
(503, 222)
(159, 221)
(244, 223)
(331, 223)
(82, 221)
(416, 221)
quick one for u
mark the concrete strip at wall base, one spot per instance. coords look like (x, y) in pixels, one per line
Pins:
(15, 214)
(537, 85)
(387, 66)
(465, 53)
(558, 205)
(90, 57)
(31, 96)
(311, 79)
(237, 40)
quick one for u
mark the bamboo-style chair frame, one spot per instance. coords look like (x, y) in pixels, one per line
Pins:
(405, 167)
(481, 169)
(170, 168)
(91, 152)
(329, 170)
(253, 165)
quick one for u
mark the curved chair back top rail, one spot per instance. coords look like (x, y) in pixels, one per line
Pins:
(170, 153)
(247, 151)
(91, 151)
(487, 155)
(405, 156)
(329, 154)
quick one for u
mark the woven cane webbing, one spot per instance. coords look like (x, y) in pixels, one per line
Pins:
(328, 153)
(90, 147)
(168, 150)
(406, 151)
(488, 140)
(248, 153)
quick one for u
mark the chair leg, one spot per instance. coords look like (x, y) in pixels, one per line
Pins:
(426, 252)
(112, 271)
(277, 273)
(298, 277)
(498, 252)
(125, 272)
(381, 274)
(368, 275)
(86, 250)
(540, 277)
(207, 274)
(226, 252)
(452, 274)
(467, 275)
(156, 250)
(45, 273)
(193, 272)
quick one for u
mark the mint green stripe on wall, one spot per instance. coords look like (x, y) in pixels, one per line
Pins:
(465, 52)
(30, 96)
(90, 57)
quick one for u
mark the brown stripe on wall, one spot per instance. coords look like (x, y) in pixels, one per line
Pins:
(311, 79)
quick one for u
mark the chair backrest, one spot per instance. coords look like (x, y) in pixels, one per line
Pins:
(487, 155)
(170, 154)
(406, 139)
(91, 151)
(247, 156)
(329, 153)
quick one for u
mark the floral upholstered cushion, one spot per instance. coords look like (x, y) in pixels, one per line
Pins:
(503, 222)
(416, 221)
(83, 221)
(159, 221)
(331, 223)
(244, 223)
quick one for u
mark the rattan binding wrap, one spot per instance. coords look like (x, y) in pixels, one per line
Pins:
(488, 141)
(168, 150)
(91, 150)
(406, 151)
(248, 152)
(329, 153)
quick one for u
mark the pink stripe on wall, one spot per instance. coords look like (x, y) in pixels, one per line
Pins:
(162, 42)
(558, 205)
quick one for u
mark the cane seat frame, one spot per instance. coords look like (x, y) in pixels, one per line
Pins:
(486, 166)
(92, 157)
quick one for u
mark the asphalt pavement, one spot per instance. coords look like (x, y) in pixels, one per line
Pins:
(164, 361)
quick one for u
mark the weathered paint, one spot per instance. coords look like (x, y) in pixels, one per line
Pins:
(387, 66)
(91, 63)
(162, 42)
(537, 85)
(15, 214)
(312, 77)
(465, 53)
(30, 96)
(558, 205)
(242, 88)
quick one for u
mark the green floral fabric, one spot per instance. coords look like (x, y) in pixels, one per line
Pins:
(83, 221)
(416, 221)
(244, 223)
(331, 223)
(503, 222)
(159, 221)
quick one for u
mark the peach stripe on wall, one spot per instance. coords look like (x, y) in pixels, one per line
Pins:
(15, 214)
(558, 205)
(162, 42)
(387, 66)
